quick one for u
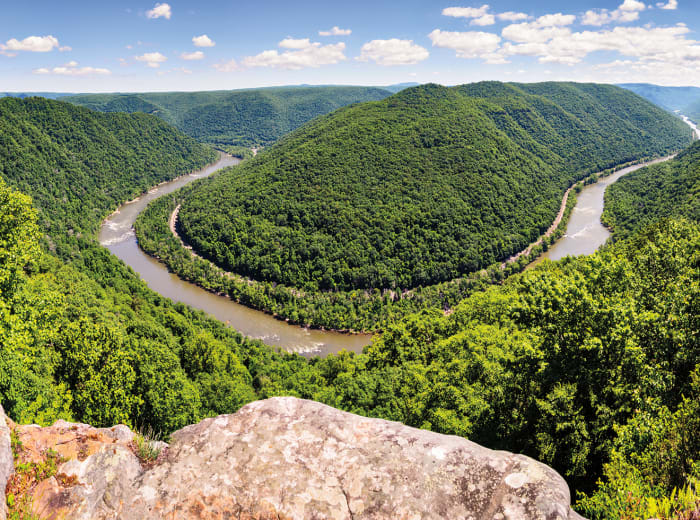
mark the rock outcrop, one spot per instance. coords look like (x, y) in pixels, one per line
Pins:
(287, 458)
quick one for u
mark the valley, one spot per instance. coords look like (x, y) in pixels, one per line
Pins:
(565, 362)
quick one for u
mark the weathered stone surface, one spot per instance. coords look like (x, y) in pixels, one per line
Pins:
(92, 488)
(286, 458)
(6, 460)
(70, 440)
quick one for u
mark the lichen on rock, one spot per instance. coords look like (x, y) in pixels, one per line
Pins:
(287, 458)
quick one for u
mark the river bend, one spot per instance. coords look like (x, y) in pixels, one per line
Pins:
(117, 235)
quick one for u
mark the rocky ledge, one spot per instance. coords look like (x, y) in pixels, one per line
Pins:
(282, 458)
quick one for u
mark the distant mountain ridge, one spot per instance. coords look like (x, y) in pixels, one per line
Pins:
(245, 117)
(670, 98)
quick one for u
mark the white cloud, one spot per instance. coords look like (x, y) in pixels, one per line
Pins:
(511, 16)
(298, 57)
(152, 59)
(196, 55)
(65, 48)
(160, 11)
(481, 16)
(29, 44)
(393, 52)
(627, 11)
(291, 43)
(632, 5)
(487, 19)
(335, 31)
(649, 44)
(532, 33)
(554, 20)
(473, 44)
(227, 66)
(71, 69)
(466, 12)
(202, 41)
(182, 70)
(672, 4)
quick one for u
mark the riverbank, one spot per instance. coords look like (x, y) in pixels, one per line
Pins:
(354, 312)
(118, 235)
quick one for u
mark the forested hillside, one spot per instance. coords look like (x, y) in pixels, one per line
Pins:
(78, 165)
(235, 117)
(693, 111)
(589, 364)
(423, 187)
(81, 337)
(669, 189)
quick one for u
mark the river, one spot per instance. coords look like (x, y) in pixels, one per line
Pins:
(117, 235)
(585, 233)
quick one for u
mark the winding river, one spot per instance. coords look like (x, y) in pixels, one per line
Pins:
(584, 234)
(117, 235)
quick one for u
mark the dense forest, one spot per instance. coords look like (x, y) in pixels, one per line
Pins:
(669, 189)
(82, 337)
(566, 362)
(693, 111)
(255, 117)
(78, 165)
(591, 365)
(355, 310)
(420, 188)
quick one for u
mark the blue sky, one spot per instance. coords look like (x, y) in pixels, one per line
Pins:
(88, 46)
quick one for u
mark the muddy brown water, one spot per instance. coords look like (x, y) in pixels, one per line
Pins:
(117, 235)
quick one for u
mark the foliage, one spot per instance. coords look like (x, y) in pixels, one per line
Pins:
(81, 337)
(655, 464)
(423, 187)
(588, 364)
(147, 445)
(242, 152)
(235, 117)
(661, 190)
(78, 165)
(554, 363)
(340, 310)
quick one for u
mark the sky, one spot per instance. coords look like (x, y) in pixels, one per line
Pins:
(138, 46)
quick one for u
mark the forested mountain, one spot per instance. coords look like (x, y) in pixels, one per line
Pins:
(693, 111)
(81, 337)
(670, 98)
(422, 187)
(237, 117)
(670, 189)
(78, 164)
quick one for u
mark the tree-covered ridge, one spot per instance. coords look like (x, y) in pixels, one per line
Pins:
(78, 164)
(663, 190)
(237, 117)
(422, 187)
(693, 111)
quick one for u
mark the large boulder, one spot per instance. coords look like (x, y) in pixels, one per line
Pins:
(287, 458)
